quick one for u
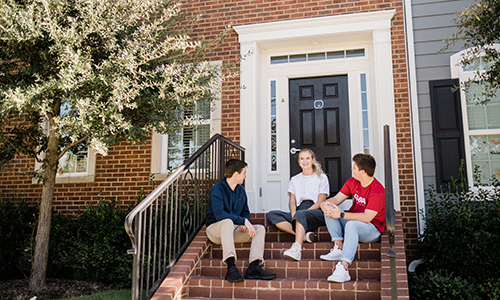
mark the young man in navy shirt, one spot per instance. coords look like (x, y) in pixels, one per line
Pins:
(228, 222)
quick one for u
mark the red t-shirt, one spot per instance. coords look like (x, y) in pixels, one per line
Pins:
(371, 197)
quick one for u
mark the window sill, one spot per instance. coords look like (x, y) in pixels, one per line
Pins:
(71, 179)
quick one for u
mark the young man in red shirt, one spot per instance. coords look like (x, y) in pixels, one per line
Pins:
(363, 222)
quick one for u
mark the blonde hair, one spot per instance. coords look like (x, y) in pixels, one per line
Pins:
(316, 165)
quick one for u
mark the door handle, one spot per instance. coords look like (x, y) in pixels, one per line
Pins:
(294, 150)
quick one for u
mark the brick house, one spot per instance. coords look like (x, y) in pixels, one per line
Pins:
(326, 75)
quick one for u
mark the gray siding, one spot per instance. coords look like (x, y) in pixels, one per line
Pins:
(432, 23)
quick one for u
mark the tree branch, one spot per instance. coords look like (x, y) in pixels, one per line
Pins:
(72, 144)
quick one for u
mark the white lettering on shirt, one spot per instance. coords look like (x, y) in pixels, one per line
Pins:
(360, 200)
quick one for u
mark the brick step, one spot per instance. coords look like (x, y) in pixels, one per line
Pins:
(305, 269)
(276, 235)
(274, 250)
(281, 289)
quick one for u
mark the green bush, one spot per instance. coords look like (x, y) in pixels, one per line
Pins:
(91, 247)
(440, 285)
(460, 244)
(462, 232)
(17, 227)
(96, 248)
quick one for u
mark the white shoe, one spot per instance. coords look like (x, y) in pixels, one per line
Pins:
(295, 252)
(334, 254)
(340, 274)
(310, 237)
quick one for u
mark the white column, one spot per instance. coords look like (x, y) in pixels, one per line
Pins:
(385, 112)
(249, 121)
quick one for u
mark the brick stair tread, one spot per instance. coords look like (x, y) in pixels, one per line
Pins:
(305, 269)
(210, 287)
(274, 250)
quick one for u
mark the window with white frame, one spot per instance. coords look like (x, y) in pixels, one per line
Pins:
(481, 123)
(169, 151)
(184, 142)
(75, 161)
(77, 165)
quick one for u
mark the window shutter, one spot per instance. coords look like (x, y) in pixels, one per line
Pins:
(447, 129)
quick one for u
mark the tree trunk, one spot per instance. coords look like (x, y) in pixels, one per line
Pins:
(40, 257)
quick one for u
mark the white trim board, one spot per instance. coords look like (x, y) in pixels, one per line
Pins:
(368, 30)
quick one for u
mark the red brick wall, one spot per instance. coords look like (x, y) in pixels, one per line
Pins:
(126, 168)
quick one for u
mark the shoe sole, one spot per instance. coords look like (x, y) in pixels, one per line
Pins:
(338, 281)
(329, 259)
(260, 277)
(234, 281)
(291, 257)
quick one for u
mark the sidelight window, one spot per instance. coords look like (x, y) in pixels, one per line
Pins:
(274, 156)
(364, 113)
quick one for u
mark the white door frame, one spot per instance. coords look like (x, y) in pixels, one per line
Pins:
(258, 42)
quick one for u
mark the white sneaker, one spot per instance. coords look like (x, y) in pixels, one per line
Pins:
(340, 274)
(295, 252)
(334, 254)
(310, 237)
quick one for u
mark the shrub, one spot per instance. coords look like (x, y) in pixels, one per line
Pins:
(439, 284)
(91, 247)
(463, 232)
(17, 225)
(96, 248)
(460, 244)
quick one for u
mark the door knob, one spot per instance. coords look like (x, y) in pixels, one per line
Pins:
(294, 150)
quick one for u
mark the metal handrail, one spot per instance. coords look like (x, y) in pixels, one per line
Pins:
(390, 217)
(163, 225)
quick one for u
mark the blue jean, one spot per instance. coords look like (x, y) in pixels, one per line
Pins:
(354, 232)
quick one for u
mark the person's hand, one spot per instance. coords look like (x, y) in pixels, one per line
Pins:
(331, 210)
(249, 228)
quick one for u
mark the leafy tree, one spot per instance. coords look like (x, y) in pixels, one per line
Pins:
(479, 28)
(97, 72)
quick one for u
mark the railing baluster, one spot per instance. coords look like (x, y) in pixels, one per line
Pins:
(389, 207)
(164, 223)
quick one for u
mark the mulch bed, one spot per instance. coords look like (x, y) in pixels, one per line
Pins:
(55, 289)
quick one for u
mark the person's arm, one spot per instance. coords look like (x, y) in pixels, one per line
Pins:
(328, 206)
(292, 204)
(323, 192)
(217, 203)
(321, 199)
(366, 216)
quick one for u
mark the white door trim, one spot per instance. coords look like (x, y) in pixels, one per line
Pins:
(258, 41)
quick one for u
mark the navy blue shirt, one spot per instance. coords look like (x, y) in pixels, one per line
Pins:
(225, 203)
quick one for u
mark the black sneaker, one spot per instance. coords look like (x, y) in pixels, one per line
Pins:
(233, 275)
(259, 273)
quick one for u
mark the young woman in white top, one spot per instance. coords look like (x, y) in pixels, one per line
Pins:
(306, 191)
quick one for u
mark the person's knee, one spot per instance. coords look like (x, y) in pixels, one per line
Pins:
(271, 217)
(259, 228)
(351, 227)
(226, 222)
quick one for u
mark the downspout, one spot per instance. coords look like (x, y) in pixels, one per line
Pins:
(414, 116)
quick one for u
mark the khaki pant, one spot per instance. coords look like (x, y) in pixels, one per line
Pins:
(225, 233)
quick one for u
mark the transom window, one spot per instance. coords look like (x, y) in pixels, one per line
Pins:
(292, 58)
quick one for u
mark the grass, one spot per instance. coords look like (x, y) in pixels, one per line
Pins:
(108, 295)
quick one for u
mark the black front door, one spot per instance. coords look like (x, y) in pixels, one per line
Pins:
(319, 120)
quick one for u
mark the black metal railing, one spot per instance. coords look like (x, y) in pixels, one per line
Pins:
(164, 224)
(390, 217)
